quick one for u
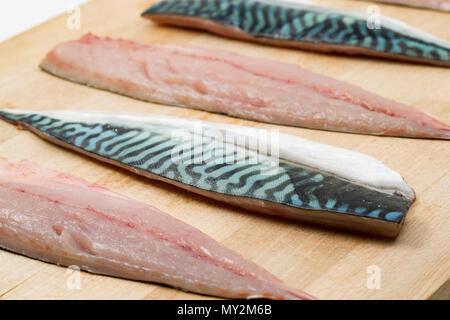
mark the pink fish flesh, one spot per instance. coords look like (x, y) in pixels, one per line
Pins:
(237, 85)
(58, 218)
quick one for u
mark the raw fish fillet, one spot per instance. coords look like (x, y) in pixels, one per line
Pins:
(259, 170)
(443, 5)
(237, 85)
(58, 218)
(305, 25)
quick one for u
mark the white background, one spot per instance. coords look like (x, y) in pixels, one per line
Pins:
(17, 16)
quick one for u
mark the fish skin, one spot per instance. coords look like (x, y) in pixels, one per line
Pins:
(305, 26)
(266, 91)
(150, 146)
(443, 5)
(55, 217)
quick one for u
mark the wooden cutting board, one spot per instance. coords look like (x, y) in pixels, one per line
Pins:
(326, 263)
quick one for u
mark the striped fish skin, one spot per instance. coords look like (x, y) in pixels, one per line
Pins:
(443, 5)
(236, 174)
(62, 219)
(304, 26)
(237, 85)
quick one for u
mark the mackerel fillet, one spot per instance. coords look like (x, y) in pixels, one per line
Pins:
(305, 25)
(236, 85)
(58, 218)
(255, 169)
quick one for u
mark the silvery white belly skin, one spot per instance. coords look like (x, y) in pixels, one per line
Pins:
(443, 5)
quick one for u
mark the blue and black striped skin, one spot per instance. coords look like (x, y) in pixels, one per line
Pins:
(151, 149)
(262, 20)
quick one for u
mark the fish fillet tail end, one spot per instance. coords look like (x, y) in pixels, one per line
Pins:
(297, 294)
(287, 293)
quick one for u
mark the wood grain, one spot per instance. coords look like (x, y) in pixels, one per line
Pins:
(326, 263)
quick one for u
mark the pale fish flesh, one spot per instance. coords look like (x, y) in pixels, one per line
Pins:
(236, 85)
(62, 219)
